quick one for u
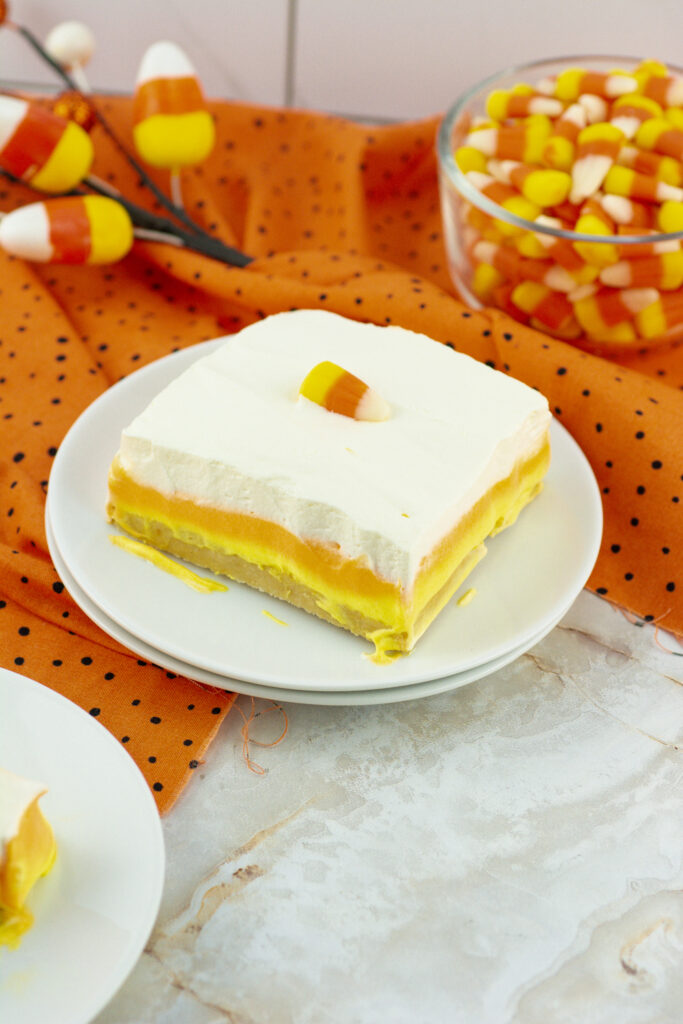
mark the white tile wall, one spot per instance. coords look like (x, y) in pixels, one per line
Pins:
(380, 58)
(238, 46)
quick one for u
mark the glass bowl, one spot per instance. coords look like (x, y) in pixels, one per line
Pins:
(616, 291)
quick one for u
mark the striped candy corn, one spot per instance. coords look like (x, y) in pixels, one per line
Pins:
(622, 181)
(558, 151)
(665, 314)
(593, 220)
(339, 391)
(597, 147)
(663, 271)
(172, 129)
(625, 211)
(629, 112)
(516, 268)
(521, 101)
(660, 134)
(570, 84)
(522, 141)
(507, 197)
(665, 168)
(552, 309)
(667, 90)
(670, 217)
(540, 185)
(75, 229)
(51, 154)
(611, 306)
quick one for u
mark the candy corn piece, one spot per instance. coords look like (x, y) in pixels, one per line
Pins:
(667, 90)
(339, 391)
(558, 150)
(611, 306)
(663, 315)
(507, 197)
(470, 159)
(670, 217)
(597, 147)
(49, 153)
(593, 220)
(661, 135)
(522, 141)
(543, 186)
(521, 101)
(550, 308)
(625, 211)
(663, 271)
(638, 250)
(172, 129)
(594, 107)
(516, 268)
(665, 168)
(622, 181)
(75, 229)
(570, 84)
(485, 280)
(629, 112)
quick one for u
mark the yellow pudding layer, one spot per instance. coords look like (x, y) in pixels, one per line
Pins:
(28, 855)
(314, 575)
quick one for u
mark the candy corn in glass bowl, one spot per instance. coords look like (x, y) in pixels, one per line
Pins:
(562, 199)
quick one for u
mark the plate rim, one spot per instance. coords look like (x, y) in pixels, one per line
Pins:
(577, 462)
(156, 851)
(331, 698)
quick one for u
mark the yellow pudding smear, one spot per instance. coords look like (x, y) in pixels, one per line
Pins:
(192, 579)
(269, 615)
(466, 597)
(28, 856)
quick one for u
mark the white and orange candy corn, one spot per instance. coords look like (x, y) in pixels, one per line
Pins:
(570, 84)
(44, 150)
(73, 229)
(597, 147)
(521, 101)
(661, 135)
(337, 390)
(173, 128)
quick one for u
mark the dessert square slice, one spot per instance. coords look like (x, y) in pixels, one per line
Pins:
(368, 523)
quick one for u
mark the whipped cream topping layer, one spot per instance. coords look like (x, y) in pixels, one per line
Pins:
(232, 432)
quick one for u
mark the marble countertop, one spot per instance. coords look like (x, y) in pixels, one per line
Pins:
(507, 852)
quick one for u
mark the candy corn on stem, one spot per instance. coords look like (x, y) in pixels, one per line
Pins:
(177, 211)
(160, 229)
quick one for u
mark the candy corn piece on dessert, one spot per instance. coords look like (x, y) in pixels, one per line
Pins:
(593, 153)
(352, 470)
(27, 851)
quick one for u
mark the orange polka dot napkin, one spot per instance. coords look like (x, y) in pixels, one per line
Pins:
(341, 217)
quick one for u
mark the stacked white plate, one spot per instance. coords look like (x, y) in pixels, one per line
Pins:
(243, 640)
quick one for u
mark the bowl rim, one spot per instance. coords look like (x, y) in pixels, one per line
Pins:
(449, 167)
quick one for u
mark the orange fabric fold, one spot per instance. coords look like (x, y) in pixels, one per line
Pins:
(338, 216)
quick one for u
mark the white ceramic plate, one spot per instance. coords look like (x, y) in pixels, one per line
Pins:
(387, 695)
(95, 910)
(530, 576)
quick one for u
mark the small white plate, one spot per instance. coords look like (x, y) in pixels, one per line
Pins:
(531, 574)
(388, 695)
(96, 908)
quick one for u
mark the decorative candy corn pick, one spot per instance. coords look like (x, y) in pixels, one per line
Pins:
(75, 229)
(72, 45)
(173, 129)
(72, 106)
(47, 152)
(339, 391)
